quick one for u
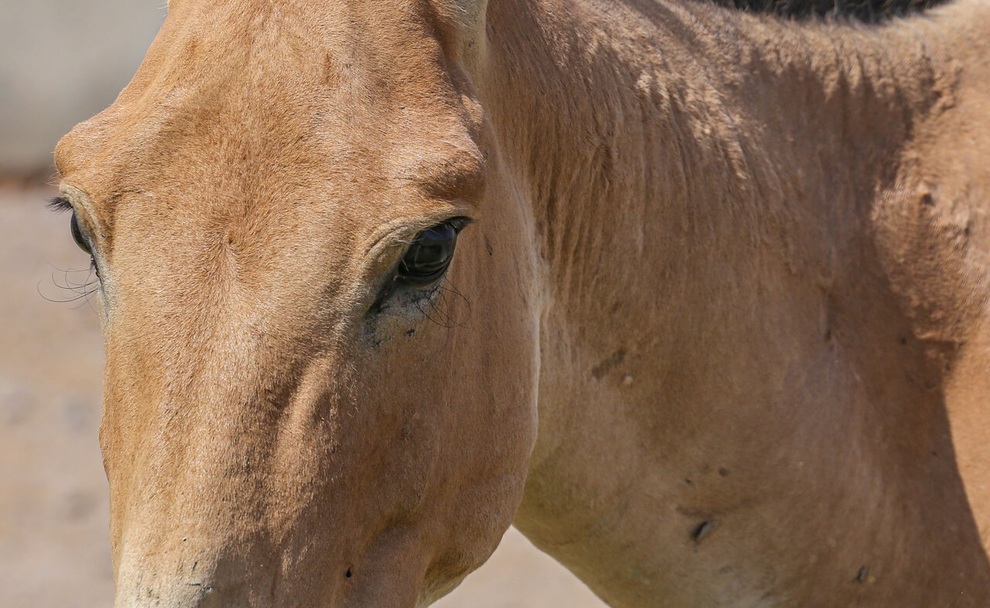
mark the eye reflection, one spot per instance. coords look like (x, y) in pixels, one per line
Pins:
(430, 253)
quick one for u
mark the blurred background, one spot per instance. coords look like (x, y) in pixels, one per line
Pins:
(60, 62)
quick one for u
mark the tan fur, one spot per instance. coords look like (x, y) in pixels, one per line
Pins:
(718, 336)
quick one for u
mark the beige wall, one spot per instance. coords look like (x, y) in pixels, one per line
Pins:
(62, 61)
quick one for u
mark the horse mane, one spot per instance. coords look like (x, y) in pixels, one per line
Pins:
(867, 11)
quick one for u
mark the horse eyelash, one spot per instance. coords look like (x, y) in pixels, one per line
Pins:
(59, 204)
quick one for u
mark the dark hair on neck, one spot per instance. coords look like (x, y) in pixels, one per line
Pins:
(867, 11)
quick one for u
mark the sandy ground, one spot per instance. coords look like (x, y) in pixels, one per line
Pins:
(54, 550)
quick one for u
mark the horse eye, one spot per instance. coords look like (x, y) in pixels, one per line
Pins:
(77, 235)
(429, 255)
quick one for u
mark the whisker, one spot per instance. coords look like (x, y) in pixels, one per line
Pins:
(437, 307)
(81, 290)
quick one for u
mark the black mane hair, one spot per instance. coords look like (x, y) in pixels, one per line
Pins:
(868, 11)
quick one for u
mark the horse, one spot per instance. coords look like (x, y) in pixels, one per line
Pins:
(695, 297)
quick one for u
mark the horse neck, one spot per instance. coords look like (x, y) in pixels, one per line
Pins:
(687, 163)
(711, 119)
(701, 183)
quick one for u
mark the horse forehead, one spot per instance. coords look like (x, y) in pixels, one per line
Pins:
(284, 98)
